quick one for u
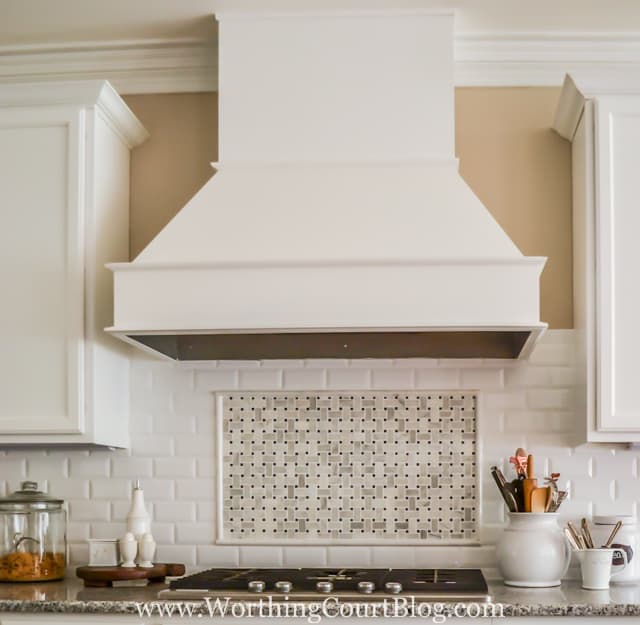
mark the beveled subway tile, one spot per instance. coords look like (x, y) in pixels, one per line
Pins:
(367, 466)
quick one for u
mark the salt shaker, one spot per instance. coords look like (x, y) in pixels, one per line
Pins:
(146, 549)
(128, 550)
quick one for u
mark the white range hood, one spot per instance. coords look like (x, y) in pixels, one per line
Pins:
(337, 224)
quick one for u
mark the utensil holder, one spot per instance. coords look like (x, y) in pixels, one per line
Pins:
(533, 551)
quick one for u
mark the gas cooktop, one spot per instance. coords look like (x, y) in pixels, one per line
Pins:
(346, 583)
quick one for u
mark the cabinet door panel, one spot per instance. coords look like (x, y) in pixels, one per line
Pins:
(618, 262)
(40, 271)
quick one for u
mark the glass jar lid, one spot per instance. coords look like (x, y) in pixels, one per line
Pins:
(29, 497)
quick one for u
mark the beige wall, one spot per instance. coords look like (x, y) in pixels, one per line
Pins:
(515, 164)
(521, 170)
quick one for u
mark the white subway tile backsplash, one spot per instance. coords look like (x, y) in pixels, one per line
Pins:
(549, 399)
(131, 467)
(14, 471)
(218, 556)
(524, 375)
(394, 379)
(438, 379)
(164, 533)
(205, 511)
(172, 427)
(350, 556)
(152, 445)
(106, 488)
(69, 488)
(174, 511)
(176, 553)
(90, 466)
(197, 489)
(158, 489)
(260, 379)
(195, 533)
(304, 556)
(44, 468)
(261, 556)
(170, 423)
(390, 557)
(217, 380)
(197, 446)
(82, 510)
(205, 467)
(302, 379)
(115, 529)
(345, 379)
(174, 467)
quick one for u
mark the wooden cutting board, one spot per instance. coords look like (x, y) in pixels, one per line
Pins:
(101, 576)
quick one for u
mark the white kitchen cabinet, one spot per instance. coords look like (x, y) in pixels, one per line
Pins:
(603, 123)
(64, 202)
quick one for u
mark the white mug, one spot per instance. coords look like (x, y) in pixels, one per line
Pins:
(595, 565)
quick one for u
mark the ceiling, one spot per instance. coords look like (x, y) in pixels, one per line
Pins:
(29, 22)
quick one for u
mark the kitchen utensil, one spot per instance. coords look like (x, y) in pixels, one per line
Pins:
(529, 484)
(507, 495)
(586, 534)
(103, 552)
(552, 483)
(595, 565)
(550, 495)
(576, 535)
(627, 539)
(516, 486)
(99, 576)
(562, 495)
(519, 462)
(533, 551)
(571, 539)
(615, 530)
(32, 536)
(539, 499)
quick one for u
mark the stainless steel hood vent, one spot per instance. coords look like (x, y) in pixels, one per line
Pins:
(337, 224)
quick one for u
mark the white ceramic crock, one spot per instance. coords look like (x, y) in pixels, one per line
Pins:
(627, 540)
(533, 551)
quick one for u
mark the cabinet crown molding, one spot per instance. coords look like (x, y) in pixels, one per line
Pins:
(98, 94)
(578, 87)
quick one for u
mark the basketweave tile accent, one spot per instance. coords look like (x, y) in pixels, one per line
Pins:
(361, 466)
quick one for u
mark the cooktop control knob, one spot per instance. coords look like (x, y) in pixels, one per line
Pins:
(366, 588)
(324, 587)
(283, 586)
(394, 588)
(256, 586)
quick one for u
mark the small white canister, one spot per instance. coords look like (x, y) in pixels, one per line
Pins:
(627, 540)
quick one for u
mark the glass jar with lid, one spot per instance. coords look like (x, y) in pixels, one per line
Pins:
(33, 542)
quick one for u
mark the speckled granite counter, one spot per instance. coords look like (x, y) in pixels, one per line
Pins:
(69, 596)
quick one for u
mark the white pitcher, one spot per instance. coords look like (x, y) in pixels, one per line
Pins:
(533, 551)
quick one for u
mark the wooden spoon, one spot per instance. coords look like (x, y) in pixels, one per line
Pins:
(539, 498)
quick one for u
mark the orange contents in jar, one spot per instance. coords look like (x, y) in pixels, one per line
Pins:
(24, 566)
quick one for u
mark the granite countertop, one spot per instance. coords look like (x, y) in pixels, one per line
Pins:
(69, 596)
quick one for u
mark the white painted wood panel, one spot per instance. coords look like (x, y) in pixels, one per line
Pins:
(618, 262)
(41, 319)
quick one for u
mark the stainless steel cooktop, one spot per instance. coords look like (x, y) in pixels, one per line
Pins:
(348, 584)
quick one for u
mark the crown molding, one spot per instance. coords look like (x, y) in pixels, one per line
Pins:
(135, 66)
(542, 58)
(184, 65)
